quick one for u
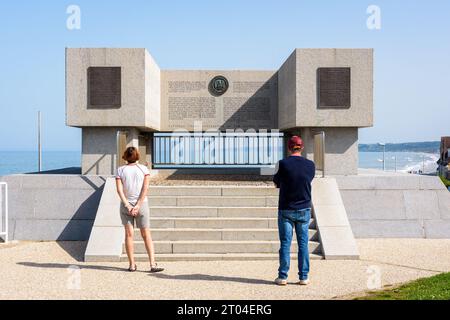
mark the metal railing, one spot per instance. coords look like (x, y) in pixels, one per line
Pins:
(319, 152)
(216, 150)
(4, 210)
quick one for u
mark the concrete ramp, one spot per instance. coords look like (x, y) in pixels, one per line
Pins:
(107, 235)
(335, 233)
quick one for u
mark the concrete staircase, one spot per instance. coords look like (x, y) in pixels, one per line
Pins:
(221, 222)
(216, 223)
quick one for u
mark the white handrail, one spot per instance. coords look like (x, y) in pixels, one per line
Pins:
(4, 233)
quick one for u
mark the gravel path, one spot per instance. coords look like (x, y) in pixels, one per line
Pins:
(51, 270)
(213, 179)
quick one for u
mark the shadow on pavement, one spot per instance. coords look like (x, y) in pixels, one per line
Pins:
(67, 265)
(207, 277)
(194, 277)
(75, 249)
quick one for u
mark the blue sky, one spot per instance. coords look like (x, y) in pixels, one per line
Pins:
(412, 51)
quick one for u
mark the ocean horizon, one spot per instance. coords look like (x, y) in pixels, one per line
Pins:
(18, 162)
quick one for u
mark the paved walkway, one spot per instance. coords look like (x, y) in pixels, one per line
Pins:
(41, 270)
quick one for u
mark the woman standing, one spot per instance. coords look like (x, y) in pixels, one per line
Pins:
(132, 184)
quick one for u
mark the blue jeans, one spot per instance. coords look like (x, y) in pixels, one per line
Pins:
(287, 221)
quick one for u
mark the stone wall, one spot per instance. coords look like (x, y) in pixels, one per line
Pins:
(52, 207)
(400, 206)
(152, 93)
(287, 97)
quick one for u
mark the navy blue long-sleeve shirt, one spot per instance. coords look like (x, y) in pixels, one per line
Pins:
(294, 177)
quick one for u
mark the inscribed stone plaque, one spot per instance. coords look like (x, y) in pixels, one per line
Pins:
(104, 87)
(250, 86)
(334, 87)
(186, 86)
(247, 112)
(250, 101)
(198, 108)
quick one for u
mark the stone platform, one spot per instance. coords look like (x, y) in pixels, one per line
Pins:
(378, 204)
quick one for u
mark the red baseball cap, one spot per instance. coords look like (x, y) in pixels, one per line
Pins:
(295, 141)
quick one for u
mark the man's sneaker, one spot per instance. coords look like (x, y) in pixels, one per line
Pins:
(303, 282)
(281, 282)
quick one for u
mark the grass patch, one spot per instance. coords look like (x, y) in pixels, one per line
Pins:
(433, 288)
(445, 181)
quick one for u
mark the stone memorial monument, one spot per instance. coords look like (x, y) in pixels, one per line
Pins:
(217, 118)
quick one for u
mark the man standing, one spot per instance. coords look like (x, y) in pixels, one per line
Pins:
(294, 177)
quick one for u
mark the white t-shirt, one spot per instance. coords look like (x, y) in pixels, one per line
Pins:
(132, 176)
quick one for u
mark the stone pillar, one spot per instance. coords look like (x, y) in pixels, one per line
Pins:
(150, 150)
(98, 151)
(308, 142)
(132, 137)
(341, 149)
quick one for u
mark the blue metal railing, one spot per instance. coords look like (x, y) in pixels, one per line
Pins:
(216, 150)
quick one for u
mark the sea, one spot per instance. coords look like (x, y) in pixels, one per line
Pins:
(16, 162)
(407, 162)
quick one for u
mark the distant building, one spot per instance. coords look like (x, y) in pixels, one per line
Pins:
(179, 118)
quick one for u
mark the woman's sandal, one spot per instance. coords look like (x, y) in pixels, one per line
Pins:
(156, 269)
(131, 269)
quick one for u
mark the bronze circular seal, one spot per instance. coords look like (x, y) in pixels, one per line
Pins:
(218, 86)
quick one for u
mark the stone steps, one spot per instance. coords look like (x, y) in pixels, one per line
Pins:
(219, 247)
(216, 201)
(214, 222)
(214, 256)
(212, 211)
(217, 222)
(212, 191)
(178, 234)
